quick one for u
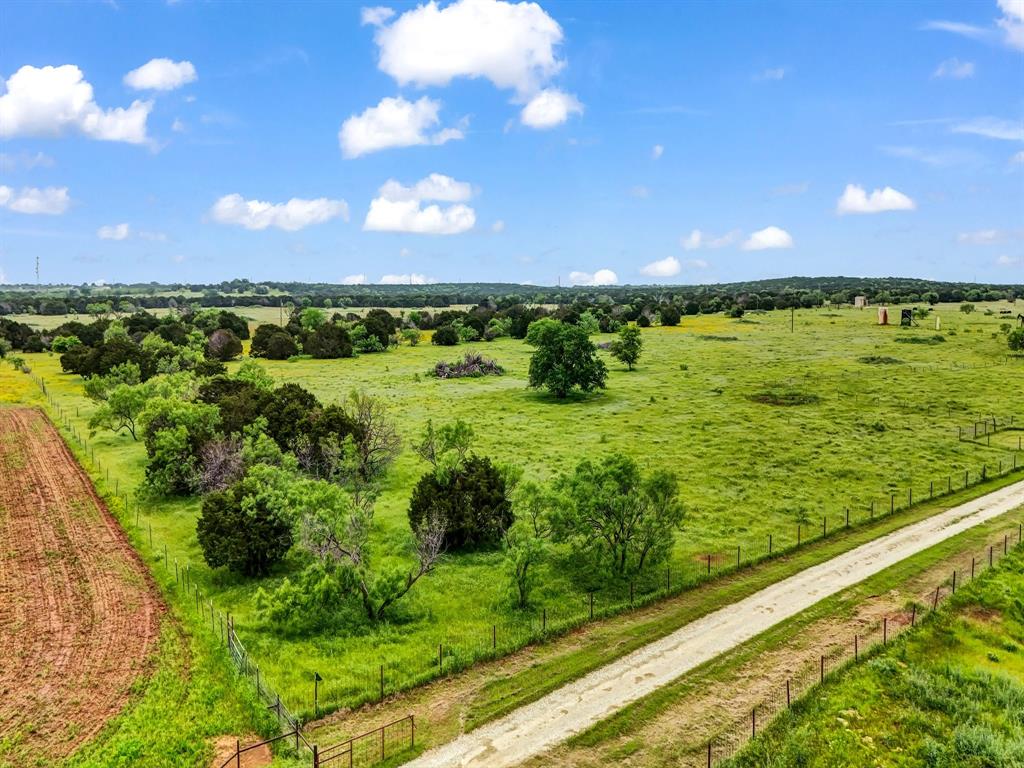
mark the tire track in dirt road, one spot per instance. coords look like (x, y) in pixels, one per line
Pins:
(530, 730)
(79, 615)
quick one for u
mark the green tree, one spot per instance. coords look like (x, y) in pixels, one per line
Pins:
(120, 409)
(329, 341)
(612, 514)
(967, 308)
(175, 431)
(627, 347)
(1015, 340)
(564, 359)
(61, 344)
(312, 318)
(246, 528)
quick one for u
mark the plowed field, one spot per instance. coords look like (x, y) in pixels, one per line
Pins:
(79, 616)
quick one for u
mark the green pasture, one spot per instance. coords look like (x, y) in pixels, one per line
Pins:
(950, 695)
(745, 467)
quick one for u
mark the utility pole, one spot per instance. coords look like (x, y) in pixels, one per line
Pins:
(37, 271)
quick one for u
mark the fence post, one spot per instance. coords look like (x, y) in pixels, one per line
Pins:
(856, 649)
(238, 753)
(931, 489)
(494, 637)
(709, 754)
(872, 509)
(412, 731)
(885, 630)
(769, 543)
(788, 699)
(316, 756)
(954, 581)
(591, 605)
(823, 668)
(847, 517)
(935, 602)
(972, 569)
(753, 723)
(913, 615)
(544, 621)
(892, 503)
(1005, 544)
(709, 564)
(382, 743)
(990, 556)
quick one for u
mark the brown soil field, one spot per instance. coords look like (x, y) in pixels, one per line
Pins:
(79, 615)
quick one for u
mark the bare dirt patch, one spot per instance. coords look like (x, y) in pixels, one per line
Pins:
(79, 615)
(224, 748)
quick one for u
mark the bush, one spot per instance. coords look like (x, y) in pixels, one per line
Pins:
(329, 341)
(281, 346)
(62, 344)
(1015, 340)
(470, 501)
(223, 345)
(669, 315)
(242, 530)
(261, 339)
(445, 336)
(784, 396)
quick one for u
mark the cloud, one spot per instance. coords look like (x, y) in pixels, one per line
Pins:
(855, 200)
(549, 108)
(698, 263)
(981, 237)
(398, 208)
(113, 232)
(394, 122)
(954, 69)
(375, 16)
(54, 101)
(498, 226)
(291, 216)
(667, 267)
(698, 239)
(413, 279)
(773, 73)
(1008, 261)
(640, 191)
(511, 44)
(178, 126)
(939, 158)
(601, 277)
(161, 75)
(769, 237)
(1017, 158)
(51, 201)
(992, 128)
(436, 186)
(157, 237)
(958, 28)
(1012, 23)
(657, 151)
(10, 163)
(359, 279)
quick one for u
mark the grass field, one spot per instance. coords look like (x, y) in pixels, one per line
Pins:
(744, 466)
(950, 695)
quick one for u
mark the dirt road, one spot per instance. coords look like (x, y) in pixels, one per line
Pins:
(79, 616)
(573, 708)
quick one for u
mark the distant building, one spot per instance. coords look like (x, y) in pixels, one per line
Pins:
(860, 302)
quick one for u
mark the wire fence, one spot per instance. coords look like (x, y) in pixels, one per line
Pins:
(985, 428)
(731, 740)
(455, 651)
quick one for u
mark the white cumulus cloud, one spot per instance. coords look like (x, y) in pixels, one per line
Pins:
(549, 108)
(52, 201)
(657, 151)
(954, 69)
(601, 277)
(161, 75)
(667, 267)
(856, 200)
(1007, 261)
(113, 232)
(413, 279)
(398, 208)
(359, 279)
(1012, 22)
(769, 237)
(513, 45)
(54, 101)
(394, 122)
(291, 216)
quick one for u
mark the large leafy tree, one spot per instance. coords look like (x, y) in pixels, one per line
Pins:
(564, 359)
(613, 514)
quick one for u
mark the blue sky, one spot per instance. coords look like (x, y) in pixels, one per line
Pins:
(482, 140)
